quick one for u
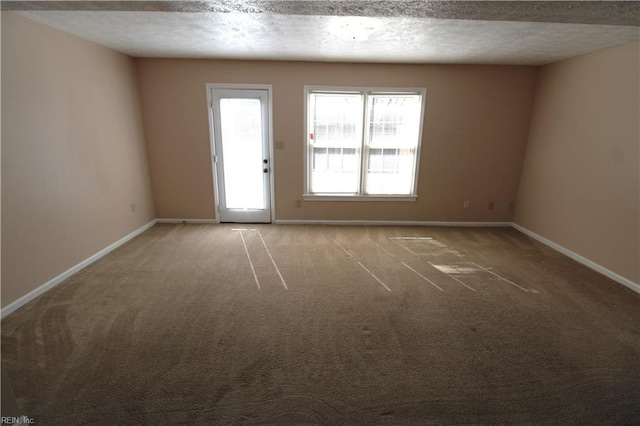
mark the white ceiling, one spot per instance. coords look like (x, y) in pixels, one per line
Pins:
(407, 34)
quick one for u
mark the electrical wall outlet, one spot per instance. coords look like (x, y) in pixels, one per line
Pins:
(279, 144)
(298, 203)
(466, 204)
(492, 204)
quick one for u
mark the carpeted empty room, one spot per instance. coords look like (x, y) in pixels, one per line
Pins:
(268, 324)
(328, 212)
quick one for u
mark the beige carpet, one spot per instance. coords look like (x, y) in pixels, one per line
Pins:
(333, 325)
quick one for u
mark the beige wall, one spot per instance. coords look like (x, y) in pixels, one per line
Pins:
(580, 180)
(475, 131)
(73, 154)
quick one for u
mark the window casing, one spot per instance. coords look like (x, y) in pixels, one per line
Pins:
(362, 143)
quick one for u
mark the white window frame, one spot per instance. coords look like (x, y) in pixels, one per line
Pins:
(360, 196)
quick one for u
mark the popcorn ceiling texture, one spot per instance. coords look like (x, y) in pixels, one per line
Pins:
(504, 32)
(577, 12)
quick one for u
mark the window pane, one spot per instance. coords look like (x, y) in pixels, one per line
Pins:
(350, 159)
(319, 158)
(335, 120)
(335, 170)
(335, 158)
(335, 123)
(390, 163)
(375, 160)
(394, 126)
(390, 171)
(394, 120)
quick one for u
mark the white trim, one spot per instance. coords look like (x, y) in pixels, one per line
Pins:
(192, 221)
(213, 155)
(580, 259)
(11, 307)
(389, 223)
(350, 197)
(272, 159)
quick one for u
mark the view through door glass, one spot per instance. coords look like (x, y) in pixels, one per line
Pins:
(241, 134)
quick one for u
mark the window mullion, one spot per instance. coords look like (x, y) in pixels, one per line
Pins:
(364, 147)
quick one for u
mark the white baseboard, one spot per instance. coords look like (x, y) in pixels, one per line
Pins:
(11, 307)
(581, 259)
(388, 223)
(63, 276)
(194, 221)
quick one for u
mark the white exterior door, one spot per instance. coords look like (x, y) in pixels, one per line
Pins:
(242, 163)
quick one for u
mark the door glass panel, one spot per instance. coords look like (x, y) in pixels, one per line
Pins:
(241, 134)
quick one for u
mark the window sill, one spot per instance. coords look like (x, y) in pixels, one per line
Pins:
(337, 197)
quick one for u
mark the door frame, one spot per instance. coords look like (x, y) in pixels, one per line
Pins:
(212, 146)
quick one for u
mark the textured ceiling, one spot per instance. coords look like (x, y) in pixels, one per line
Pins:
(498, 32)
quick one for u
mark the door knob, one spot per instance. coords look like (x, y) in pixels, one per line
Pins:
(265, 170)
